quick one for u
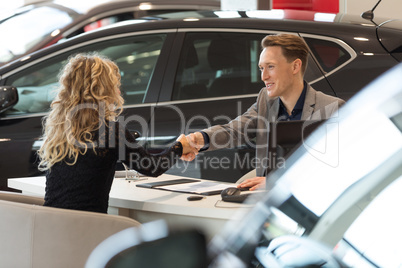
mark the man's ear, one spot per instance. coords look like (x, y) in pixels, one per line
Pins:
(297, 64)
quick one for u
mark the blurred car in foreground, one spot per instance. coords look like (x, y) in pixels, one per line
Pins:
(340, 188)
(38, 25)
(335, 203)
(183, 72)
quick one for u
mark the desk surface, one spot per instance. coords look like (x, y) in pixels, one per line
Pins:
(125, 195)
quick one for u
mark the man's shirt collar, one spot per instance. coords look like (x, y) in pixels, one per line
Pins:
(297, 110)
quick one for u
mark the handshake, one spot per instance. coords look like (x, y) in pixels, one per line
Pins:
(192, 143)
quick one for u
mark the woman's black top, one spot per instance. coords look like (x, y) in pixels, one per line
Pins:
(86, 184)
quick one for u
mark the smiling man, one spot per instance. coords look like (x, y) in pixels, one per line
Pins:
(286, 96)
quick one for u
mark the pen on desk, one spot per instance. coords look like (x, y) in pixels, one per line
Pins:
(194, 197)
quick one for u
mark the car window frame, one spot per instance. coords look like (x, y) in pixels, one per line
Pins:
(151, 97)
(337, 41)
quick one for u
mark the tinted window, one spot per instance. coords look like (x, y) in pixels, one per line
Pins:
(329, 54)
(136, 58)
(218, 64)
(223, 64)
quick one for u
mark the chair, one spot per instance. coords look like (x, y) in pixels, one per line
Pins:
(36, 236)
(225, 57)
(151, 245)
(21, 198)
(188, 85)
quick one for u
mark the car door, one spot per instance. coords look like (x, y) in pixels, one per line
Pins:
(212, 79)
(141, 65)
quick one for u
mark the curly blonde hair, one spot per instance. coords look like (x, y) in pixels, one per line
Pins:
(89, 97)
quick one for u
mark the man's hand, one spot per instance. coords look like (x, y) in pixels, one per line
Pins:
(195, 143)
(196, 140)
(253, 183)
(187, 148)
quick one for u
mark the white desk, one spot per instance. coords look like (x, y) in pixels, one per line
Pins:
(209, 214)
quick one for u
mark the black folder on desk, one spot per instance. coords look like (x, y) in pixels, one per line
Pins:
(164, 183)
(160, 185)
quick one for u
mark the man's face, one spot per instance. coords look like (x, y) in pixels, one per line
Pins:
(276, 72)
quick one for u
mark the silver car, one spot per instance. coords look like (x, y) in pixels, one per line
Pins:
(45, 23)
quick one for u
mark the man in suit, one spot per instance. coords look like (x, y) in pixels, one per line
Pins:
(286, 96)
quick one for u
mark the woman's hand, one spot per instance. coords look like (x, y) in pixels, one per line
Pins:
(189, 152)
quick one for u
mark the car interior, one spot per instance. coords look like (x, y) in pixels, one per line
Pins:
(217, 65)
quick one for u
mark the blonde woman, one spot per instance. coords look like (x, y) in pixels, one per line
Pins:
(83, 138)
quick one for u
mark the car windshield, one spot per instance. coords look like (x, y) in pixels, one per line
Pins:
(344, 150)
(361, 247)
(31, 29)
(333, 158)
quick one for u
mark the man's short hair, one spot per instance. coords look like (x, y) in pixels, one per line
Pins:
(293, 47)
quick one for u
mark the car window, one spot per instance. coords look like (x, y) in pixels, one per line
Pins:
(368, 240)
(104, 21)
(218, 64)
(100, 23)
(223, 64)
(29, 34)
(135, 56)
(329, 54)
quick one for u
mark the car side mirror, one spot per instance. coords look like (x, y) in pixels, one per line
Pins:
(8, 97)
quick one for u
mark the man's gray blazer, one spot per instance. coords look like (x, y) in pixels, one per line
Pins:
(254, 123)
